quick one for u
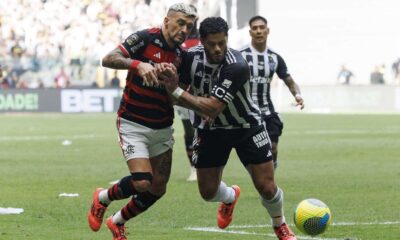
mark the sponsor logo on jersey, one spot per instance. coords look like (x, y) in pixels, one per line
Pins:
(158, 42)
(261, 139)
(259, 79)
(157, 55)
(132, 39)
(199, 74)
(135, 47)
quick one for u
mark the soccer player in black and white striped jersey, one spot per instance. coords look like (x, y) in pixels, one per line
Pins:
(226, 118)
(264, 63)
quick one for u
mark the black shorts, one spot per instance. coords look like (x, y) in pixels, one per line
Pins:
(212, 147)
(274, 126)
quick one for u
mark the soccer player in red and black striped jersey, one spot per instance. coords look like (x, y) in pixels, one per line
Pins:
(144, 120)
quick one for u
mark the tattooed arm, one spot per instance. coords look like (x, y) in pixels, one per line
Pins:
(116, 59)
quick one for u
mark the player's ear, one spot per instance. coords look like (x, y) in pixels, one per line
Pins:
(166, 20)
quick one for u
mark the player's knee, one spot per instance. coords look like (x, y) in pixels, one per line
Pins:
(208, 193)
(267, 190)
(266, 187)
(142, 181)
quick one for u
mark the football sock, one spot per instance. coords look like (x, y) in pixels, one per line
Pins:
(224, 194)
(118, 219)
(274, 207)
(138, 204)
(103, 197)
(121, 190)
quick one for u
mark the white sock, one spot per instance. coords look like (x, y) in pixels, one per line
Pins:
(118, 219)
(224, 194)
(103, 197)
(274, 207)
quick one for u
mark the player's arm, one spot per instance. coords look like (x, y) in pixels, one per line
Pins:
(205, 106)
(290, 83)
(122, 59)
(230, 79)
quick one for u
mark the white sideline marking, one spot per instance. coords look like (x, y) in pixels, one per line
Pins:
(44, 137)
(214, 229)
(10, 210)
(68, 194)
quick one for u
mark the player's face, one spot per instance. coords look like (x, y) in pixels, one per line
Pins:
(259, 31)
(178, 27)
(215, 46)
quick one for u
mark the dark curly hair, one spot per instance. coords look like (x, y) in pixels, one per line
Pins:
(212, 25)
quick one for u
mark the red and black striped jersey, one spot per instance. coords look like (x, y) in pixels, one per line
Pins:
(149, 106)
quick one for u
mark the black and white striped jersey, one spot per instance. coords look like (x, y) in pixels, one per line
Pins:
(227, 81)
(263, 66)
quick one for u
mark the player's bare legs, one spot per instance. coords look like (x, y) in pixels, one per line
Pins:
(148, 191)
(212, 189)
(208, 180)
(274, 151)
(271, 197)
(161, 166)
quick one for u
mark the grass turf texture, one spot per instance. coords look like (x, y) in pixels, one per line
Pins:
(351, 162)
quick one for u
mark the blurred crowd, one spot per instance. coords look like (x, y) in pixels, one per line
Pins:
(378, 76)
(59, 43)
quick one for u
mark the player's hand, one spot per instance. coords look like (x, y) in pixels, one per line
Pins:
(168, 76)
(299, 101)
(148, 74)
(165, 71)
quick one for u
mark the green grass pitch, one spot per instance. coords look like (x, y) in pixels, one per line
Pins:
(351, 162)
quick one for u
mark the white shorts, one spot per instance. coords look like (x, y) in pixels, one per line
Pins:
(183, 113)
(138, 141)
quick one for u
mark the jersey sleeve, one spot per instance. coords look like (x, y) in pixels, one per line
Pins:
(231, 79)
(134, 44)
(282, 70)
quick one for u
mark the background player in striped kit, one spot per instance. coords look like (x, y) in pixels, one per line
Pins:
(264, 63)
(144, 120)
(226, 118)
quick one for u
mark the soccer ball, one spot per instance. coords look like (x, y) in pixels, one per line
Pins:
(312, 216)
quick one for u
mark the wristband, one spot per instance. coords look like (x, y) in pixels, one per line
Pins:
(134, 64)
(297, 95)
(177, 92)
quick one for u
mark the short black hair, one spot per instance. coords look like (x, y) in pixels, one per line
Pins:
(212, 25)
(257, 18)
